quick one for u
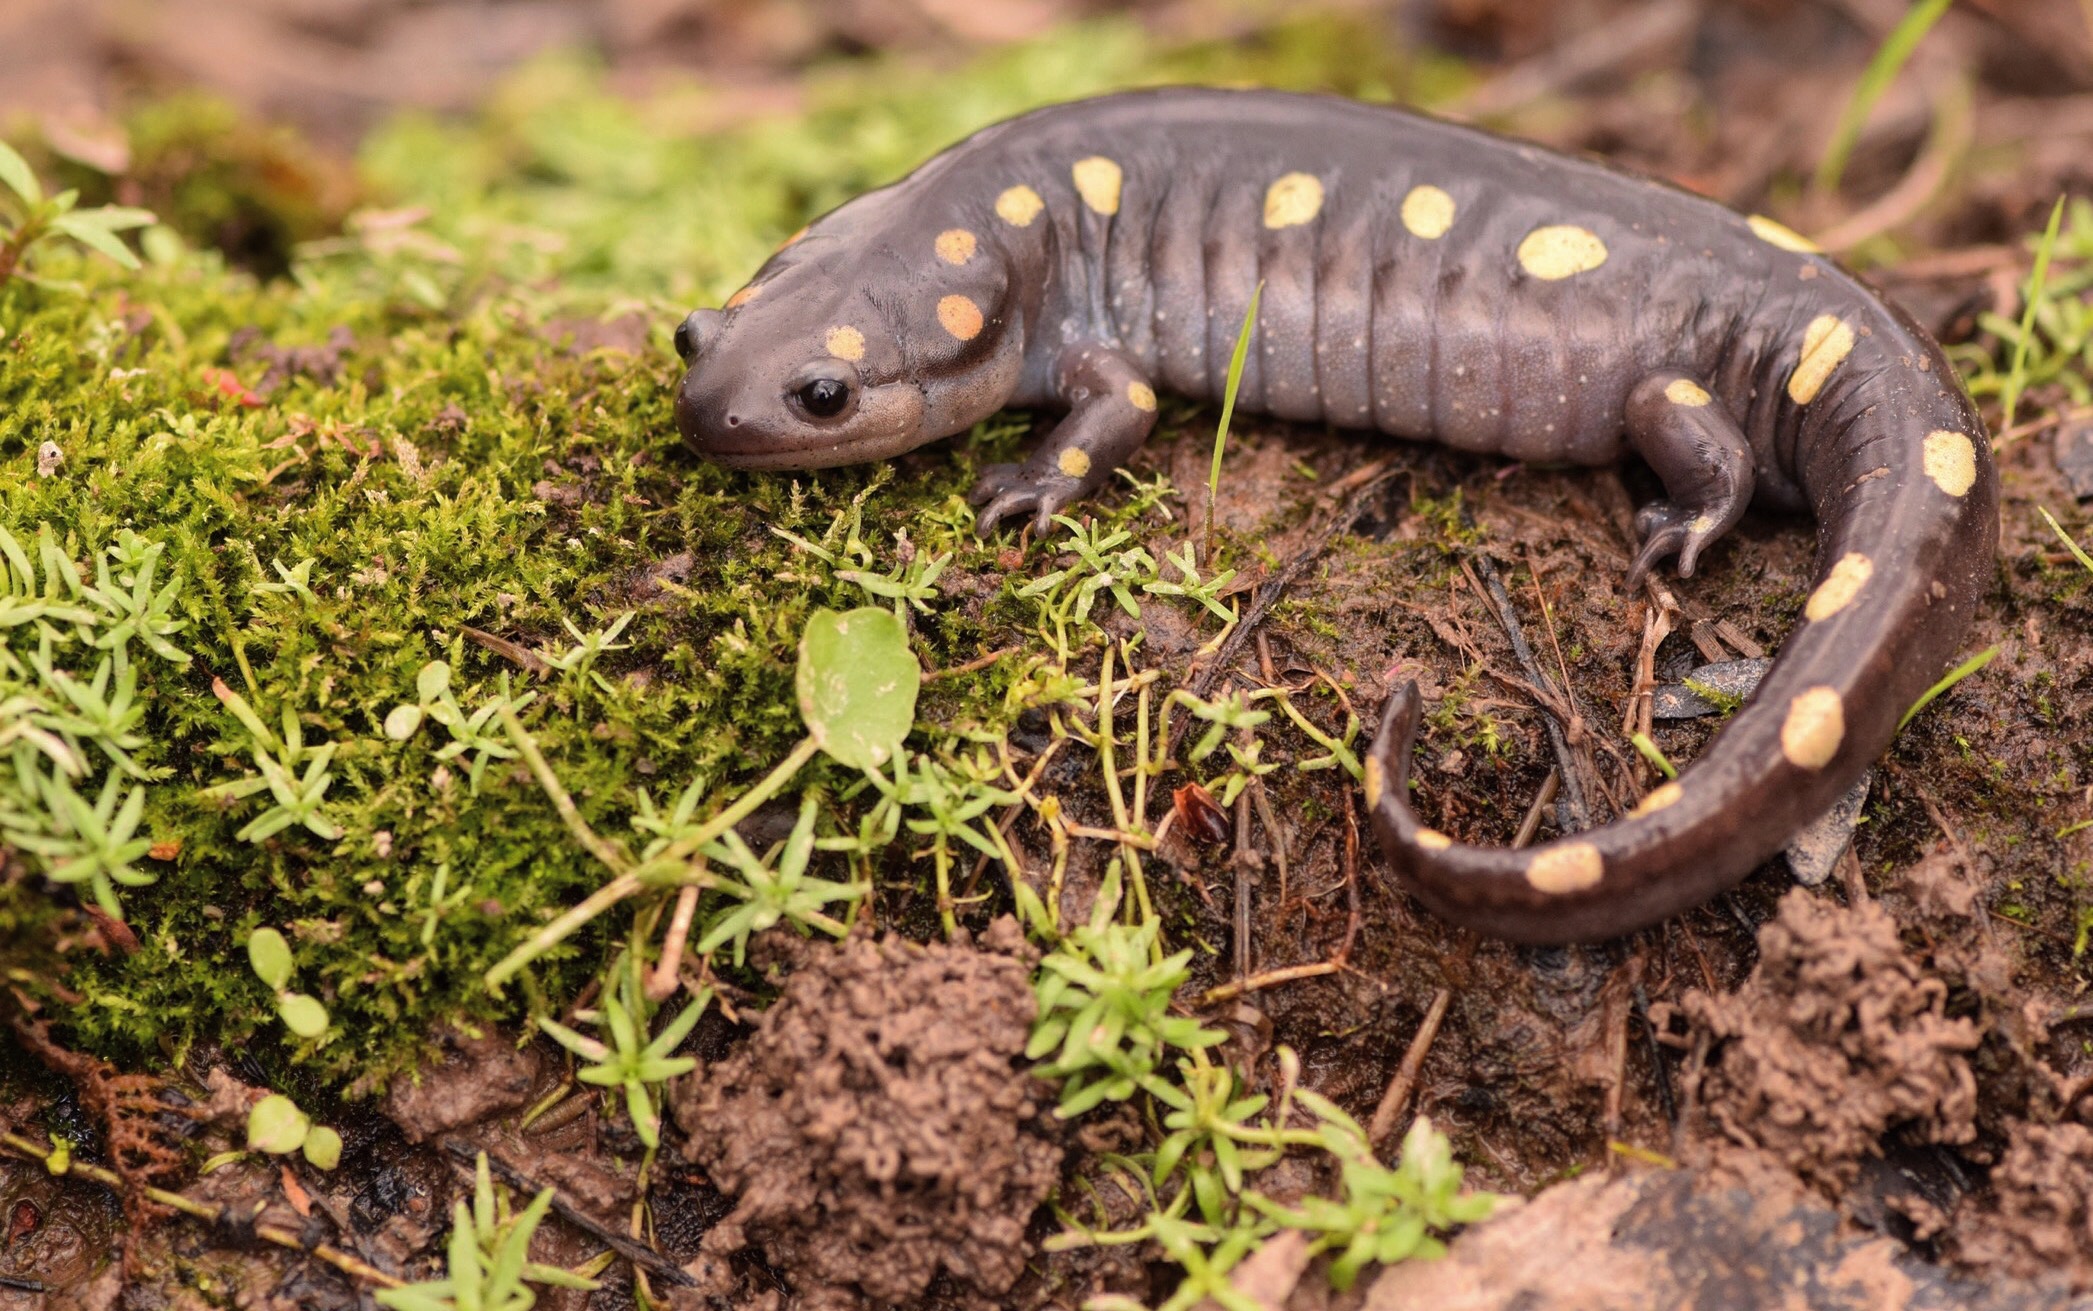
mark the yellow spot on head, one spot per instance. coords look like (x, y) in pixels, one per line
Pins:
(961, 317)
(1565, 867)
(1376, 782)
(1141, 396)
(1665, 794)
(955, 245)
(1687, 392)
(745, 295)
(1951, 461)
(1552, 254)
(1428, 212)
(1825, 345)
(1293, 200)
(1839, 587)
(1815, 726)
(1097, 181)
(1780, 234)
(1075, 462)
(1432, 839)
(846, 343)
(1018, 206)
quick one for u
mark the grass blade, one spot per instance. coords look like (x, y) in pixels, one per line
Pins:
(1236, 360)
(2038, 286)
(1954, 676)
(1875, 79)
(19, 177)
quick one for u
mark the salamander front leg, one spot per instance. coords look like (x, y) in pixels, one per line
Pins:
(1111, 410)
(1704, 460)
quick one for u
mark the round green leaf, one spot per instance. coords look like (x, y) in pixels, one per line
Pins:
(276, 1125)
(323, 1147)
(303, 1015)
(271, 957)
(401, 723)
(433, 680)
(857, 684)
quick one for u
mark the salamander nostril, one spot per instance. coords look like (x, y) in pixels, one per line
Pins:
(733, 421)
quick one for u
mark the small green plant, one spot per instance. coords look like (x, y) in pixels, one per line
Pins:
(95, 844)
(631, 1059)
(477, 732)
(39, 218)
(1948, 680)
(1882, 69)
(579, 661)
(277, 1127)
(1653, 753)
(767, 893)
(487, 1269)
(270, 956)
(1236, 360)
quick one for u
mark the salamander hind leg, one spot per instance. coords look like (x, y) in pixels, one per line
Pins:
(1111, 411)
(1704, 460)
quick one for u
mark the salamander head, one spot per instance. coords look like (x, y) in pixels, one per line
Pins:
(805, 369)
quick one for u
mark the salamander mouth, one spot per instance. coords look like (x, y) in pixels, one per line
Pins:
(835, 451)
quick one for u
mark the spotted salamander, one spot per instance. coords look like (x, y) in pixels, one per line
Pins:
(1429, 281)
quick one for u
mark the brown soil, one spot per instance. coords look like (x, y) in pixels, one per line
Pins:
(880, 1128)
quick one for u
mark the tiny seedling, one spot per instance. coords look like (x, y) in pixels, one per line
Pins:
(2038, 285)
(270, 956)
(486, 1265)
(1236, 361)
(38, 218)
(1889, 59)
(768, 893)
(631, 1059)
(277, 1127)
(1654, 754)
(1952, 677)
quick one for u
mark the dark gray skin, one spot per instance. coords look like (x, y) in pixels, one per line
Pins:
(1540, 307)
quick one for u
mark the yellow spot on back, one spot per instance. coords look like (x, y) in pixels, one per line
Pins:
(1687, 392)
(1075, 462)
(1780, 234)
(744, 296)
(1141, 396)
(1428, 212)
(1097, 181)
(1432, 839)
(1019, 205)
(1839, 587)
(1815, 726)
(1552, 254)
(1293, 200)
(1376, 782)
(955, 245)
(961, 317)
(1565, 867)
(1951, 461)
(1662, 796)
(845, 343)
(1825, 345)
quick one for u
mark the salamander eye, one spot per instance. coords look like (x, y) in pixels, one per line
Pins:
(824, 398)
(683, 341)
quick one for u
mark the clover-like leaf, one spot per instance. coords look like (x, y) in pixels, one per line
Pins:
(276, 1125)
(323, 1147)
(301, 1014)
(857, 684)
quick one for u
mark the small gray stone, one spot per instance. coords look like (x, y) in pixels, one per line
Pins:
(1818, 847)
(1731, 678)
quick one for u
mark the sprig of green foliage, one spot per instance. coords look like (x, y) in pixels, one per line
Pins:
(487, 1257)
(632, 1060)
(39, 218)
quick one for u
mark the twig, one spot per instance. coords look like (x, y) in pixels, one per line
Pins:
(1269, 979)
(207, 1212)
(611, 858)
(662, 984)
(1575, 813)
(1397, 1097)
(1531, 825)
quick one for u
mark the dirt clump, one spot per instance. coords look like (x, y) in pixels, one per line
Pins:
(475, 1078)
(880, 1127)
(2038, 1222)
(1838, 1037)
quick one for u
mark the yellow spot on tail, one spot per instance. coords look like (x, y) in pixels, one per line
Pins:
(1565, 867)
(1428, 212)
(1825, 345)
(1097, 181)
(744, 296)
(961, 317)
(955, 245)
(1293, 200)
(1141, 396)
(1019, 205)
(1815, 726)
(1687, 392)
(1376, 783)
(1552, 254)
(1780, 234)
(1662, 796)
(846, 343)
(1432, 839)
(1840, 586)
(1075, 462)
(1951, 461)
